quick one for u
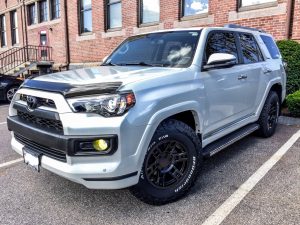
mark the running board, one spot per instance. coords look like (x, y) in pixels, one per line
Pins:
(224, 142)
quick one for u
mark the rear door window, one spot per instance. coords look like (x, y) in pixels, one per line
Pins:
(221, 42)
(271, 46)
(250, 49)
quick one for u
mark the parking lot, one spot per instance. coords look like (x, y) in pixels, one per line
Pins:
(28, 197)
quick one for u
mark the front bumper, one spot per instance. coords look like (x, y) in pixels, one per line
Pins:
(94, 172)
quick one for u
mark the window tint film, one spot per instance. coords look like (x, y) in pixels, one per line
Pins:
(250, 49)
(271, 46)
(220, 42)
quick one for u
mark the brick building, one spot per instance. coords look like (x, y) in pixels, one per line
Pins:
(85, 31)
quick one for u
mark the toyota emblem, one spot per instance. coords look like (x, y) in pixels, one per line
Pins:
(32, 103)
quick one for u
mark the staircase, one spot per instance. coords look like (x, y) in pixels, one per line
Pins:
(26, 60)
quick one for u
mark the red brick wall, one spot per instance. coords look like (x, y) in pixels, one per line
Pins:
(296, 21)
(94, 47)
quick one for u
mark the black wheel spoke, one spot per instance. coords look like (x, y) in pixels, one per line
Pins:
(166, 164)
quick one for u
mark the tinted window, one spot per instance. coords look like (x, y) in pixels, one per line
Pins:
(220, 42)
(166, 49)
(271, 46)
(250, 50)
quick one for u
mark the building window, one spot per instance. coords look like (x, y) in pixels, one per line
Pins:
(3, 30)
(86, 22)
(14, 27)
(194, 7)
(31, 14)
(114, 14)
(55, 9)
(149, 11)
(43, 11)
(254, 2)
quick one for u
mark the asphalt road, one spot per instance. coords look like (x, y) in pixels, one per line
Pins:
(28, 197)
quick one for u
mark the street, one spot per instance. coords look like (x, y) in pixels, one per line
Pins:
(28, 197)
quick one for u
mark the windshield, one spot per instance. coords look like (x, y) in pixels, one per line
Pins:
(167, 49)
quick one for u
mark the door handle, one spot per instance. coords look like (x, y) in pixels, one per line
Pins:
(267, 70)
(242, 77)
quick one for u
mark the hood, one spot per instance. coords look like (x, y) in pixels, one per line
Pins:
(97, 80)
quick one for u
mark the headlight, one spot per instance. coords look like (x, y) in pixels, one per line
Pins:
(105, 105)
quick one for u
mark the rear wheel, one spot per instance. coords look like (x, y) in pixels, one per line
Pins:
(171, 164)
(269, 116)
(10, 93)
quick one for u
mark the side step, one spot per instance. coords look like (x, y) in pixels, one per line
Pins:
(229, 139)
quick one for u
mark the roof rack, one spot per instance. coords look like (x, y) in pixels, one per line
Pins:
(242, 27)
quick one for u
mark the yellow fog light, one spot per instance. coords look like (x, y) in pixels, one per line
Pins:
(100, 145)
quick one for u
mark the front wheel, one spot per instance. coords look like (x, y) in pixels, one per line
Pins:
(269, 116)
(171, 164)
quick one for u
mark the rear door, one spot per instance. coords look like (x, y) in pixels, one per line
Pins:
(253, 71)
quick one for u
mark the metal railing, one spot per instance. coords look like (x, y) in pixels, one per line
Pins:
(15, 57)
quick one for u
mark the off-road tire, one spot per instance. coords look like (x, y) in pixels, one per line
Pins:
(267, 124)
(183, 138)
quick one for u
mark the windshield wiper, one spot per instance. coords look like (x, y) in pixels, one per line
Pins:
(110, 64)
(136, 64)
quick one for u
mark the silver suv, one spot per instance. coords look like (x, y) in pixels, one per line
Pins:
(159, 104)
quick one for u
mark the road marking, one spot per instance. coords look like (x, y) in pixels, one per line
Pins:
(226, 208)
(10, 163)
(2, 123)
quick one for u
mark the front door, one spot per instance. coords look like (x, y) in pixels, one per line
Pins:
(43, 44)
(226, 88)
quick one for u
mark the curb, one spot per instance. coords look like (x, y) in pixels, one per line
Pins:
(289, 121)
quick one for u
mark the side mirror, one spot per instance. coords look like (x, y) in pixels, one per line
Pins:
(220, 60)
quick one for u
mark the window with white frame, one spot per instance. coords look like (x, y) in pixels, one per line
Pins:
(194, 7)
(14, 27)
(254, 2)
(114, 14)
(149, 10)
(3, 30)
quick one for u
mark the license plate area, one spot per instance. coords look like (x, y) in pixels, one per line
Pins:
(32, 159)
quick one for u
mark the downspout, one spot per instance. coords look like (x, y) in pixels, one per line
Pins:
(67, 43)
(289, 19)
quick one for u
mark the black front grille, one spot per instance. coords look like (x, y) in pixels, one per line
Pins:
(44, 123)
(41, 101)
(35, 147)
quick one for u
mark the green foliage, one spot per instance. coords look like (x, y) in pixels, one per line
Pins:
(290, 51)
(293, 103)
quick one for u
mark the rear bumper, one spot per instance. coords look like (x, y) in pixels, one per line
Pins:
(94, 172)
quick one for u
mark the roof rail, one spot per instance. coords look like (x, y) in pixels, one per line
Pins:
(242, 27)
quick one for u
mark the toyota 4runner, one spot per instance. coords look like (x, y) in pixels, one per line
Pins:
(159, 104)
